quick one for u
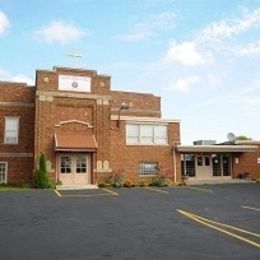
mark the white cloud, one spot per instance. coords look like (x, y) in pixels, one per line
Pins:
(4, 22)
(187, 53)
(146, 29)
(247, 50)
(252, 87)
(227, 28)
(184, 84)
(20, 78)
(59, 31)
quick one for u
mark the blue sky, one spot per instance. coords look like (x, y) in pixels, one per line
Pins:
(201, 57)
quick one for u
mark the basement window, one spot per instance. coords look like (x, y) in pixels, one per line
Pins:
(148, 168)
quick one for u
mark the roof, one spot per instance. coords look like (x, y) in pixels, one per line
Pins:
(244, 142)
(216, 148)
(75, 143)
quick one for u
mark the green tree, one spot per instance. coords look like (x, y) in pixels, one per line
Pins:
(243, 137)
(41, 176)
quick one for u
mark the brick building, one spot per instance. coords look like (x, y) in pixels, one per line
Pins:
(85, 130)
(88, 131)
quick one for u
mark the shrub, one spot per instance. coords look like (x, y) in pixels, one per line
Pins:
(26, 186)
(101, 185)
(159, 181)
(128, 184)
(141, 183)
(116, 179)
(41, 176)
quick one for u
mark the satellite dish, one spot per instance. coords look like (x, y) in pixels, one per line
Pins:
(231, 137)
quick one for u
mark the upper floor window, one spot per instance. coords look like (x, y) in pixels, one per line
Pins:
(146, 134)
(11, 130)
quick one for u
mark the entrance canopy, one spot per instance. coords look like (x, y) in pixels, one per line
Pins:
(75, 143)
(216, 148)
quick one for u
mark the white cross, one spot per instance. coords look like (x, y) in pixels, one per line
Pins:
(75, 56)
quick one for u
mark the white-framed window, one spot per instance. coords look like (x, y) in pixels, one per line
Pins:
(65, 164)
(148, 168)
(11, 130)
(3, 172)
(146, 134)
(81, 164)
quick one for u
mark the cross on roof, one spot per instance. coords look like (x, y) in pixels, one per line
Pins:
(75, 57)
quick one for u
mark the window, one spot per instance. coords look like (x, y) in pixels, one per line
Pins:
(65, 164)
(146, 134)
(132, 132)
(226, 165)
(81, 164)
(189, 165)
(3, 172)
(207, 161)
(148, 168)
(216, 164)
(199, 161)
(11, 130)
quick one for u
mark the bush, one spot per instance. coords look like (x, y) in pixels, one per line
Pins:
(26, 186)
(116, 180)
(159, 181)
(101, 185)
(41, 176)
(128, 184)
(141, 184)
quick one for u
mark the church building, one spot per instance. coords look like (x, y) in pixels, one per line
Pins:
(88, 131)
(85, 130)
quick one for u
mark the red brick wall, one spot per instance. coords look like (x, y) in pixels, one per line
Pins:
(21, 104)
(140, 104)
(16, 92)
(19, 170)
(91, 109)
(127, 157)
(247, 163)
(47, 80)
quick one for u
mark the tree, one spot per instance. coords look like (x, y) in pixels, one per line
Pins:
(41, 177)
(243, 137)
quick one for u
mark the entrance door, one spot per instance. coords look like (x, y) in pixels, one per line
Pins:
(74, 169)
(203, 167)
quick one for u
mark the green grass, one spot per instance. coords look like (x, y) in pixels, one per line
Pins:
(8, 187)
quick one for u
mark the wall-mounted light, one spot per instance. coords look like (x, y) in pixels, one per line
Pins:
(123, 106)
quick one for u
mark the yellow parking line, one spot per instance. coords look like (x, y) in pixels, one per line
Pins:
(223, 225)
(57, 193)
(87, 195)
(158, 190)
(110, 191)
(200, 189)
(252, 208)
(219, 229)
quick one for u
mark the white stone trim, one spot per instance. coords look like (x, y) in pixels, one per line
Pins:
(74, 121)
(16, 155)
(216, 148)
(152, 120)
(70, 95)
(17, 104)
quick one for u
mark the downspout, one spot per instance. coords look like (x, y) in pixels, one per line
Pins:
(174, 163)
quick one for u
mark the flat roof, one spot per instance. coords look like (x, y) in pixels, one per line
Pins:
(216, 148)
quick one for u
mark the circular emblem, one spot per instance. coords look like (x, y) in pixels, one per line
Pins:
(74, 84)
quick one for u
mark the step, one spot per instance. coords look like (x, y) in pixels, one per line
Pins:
(76, 187)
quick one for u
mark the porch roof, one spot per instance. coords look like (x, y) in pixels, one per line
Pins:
(216, 148)
(75, 143)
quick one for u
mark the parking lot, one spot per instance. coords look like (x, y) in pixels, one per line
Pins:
(195, 222)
